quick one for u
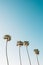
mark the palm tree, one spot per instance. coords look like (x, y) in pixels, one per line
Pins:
(20, 43)
(8, 38)
(26, 43)
(37, 53)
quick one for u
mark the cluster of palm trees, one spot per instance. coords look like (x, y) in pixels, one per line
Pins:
(20, 43)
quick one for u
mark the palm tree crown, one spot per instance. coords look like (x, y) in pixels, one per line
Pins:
(19, 43)
(26, 43)
(36, 51)
(7, 37)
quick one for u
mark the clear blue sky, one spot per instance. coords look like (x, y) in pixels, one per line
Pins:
(23, 20)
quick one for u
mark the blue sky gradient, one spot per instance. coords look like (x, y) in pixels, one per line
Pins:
(23, 20)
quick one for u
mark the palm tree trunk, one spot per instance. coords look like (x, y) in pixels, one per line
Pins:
(37, 60)
(6, 54)
(28, 55)
(20, 56)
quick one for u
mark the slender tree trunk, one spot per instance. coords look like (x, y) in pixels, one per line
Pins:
(20, 56)
(6, 54)
(28, 55)
(37, 60)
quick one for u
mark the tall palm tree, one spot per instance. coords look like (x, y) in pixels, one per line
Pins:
(26, 43)
(20, 43)
(37, 53)
(8, 38)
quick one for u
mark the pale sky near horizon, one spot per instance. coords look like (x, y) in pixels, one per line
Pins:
(23, 20)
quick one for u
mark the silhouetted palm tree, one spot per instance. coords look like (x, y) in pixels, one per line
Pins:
(8, 38)
(20, 43)
(37, 53)
(26, 43)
